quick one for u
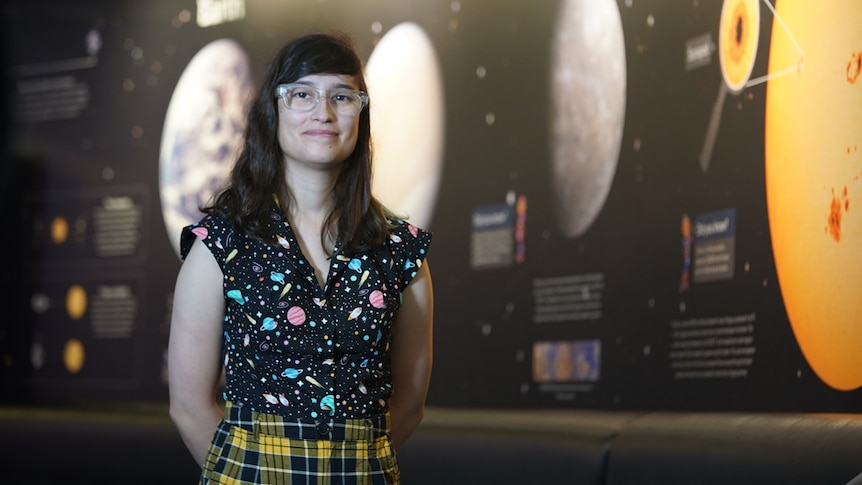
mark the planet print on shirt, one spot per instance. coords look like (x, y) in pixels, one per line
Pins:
(294, 347)
(296, 316)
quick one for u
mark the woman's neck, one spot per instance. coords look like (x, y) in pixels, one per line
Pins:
(311, 193)
(311, 202)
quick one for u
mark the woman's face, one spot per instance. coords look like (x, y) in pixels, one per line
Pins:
(319, 136)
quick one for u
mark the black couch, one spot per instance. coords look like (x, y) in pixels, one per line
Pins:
(542, 447)
(452, 447)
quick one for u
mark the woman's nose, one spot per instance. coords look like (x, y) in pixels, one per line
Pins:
(324, 110)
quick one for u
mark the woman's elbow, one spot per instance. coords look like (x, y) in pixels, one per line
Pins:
(411, 410)
(416, 412)
(184, 407)
(178, 411)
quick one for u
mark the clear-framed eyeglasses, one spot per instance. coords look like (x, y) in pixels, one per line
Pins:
(302, 97)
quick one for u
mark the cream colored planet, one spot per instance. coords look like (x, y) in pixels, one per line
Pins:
(202, 131)
(407, 121)
(587, 104)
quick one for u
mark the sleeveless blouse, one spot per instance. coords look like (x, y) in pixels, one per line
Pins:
(298, 350)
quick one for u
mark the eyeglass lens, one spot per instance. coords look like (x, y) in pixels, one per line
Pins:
(303, 98)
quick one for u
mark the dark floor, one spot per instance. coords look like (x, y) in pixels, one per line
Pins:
(48, 446)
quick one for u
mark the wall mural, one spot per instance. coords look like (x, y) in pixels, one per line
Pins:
(637, 204)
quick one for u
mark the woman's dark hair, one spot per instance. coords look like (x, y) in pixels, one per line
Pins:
(357, 219)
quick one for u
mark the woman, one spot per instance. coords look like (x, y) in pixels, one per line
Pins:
(312, 295)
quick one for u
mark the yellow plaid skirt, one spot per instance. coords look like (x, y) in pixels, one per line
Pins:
(256, 448)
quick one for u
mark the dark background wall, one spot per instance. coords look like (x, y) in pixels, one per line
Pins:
(89, 261)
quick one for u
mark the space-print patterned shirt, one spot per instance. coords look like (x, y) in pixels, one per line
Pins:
(298, 350)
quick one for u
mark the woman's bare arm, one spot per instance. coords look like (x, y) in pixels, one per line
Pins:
(195, 349)
(412, 346)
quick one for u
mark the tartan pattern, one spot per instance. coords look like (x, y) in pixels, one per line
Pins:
(257, 448)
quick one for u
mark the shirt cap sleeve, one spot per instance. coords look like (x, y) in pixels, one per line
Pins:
(217, 234)
(409, 245)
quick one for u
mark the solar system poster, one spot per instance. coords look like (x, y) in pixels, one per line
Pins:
(636, 204)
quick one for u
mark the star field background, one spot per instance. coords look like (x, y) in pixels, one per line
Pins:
(484, 333)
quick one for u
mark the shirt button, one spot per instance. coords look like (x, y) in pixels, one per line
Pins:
(322, 429)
